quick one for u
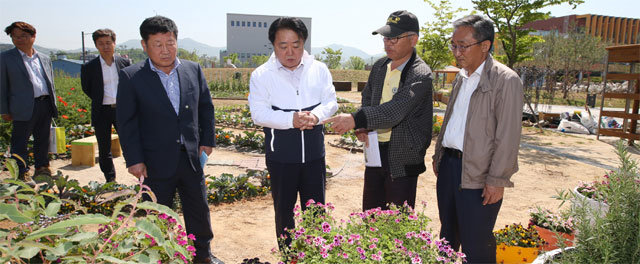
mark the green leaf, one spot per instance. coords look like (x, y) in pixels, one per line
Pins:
(151, 229)
(27, 252)
(12, 166)
(111, 259)
(10, 211)
(82, 236)
(161, 209)
(52, 209)
(74, 221)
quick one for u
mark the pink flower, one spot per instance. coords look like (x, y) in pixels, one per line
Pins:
(301, 255)
(191, 248)
(376, 257)
(326, 227)
(417, 259)
(163, 216)
(310, 202)
(192, 237)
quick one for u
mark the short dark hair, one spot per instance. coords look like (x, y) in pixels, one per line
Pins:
(24, 26)
(482, 27)
(157, 24)
(105, 32)
(292, 23)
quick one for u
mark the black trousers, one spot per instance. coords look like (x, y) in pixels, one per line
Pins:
(289, 179)
(102, 125)
(39, 125)
(380, 189)
(193, 197)
(464, 220)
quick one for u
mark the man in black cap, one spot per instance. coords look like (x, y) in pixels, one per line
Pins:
(397, 110)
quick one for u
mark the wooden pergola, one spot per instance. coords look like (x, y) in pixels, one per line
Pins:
(628, 54)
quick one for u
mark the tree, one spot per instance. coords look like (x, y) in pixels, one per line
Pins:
(510, 16)
(259, 60)
(355, 63)
(233, 58)
(332, 57)
(192, 56)
(433, 47)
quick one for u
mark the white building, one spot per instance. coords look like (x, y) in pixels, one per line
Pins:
(248, 35)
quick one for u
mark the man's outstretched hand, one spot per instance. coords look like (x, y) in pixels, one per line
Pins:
(341, 123)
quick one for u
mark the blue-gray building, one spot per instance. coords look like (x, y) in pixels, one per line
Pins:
(68, 66)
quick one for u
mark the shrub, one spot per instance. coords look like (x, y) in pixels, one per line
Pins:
(555, 222)
(517, 235)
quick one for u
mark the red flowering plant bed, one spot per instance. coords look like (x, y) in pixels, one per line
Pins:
(556, 229)
(398, 235)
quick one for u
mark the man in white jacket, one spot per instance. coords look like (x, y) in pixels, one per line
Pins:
(290, 95)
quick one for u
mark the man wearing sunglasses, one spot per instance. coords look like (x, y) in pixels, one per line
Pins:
(477, 149)
(396, 104)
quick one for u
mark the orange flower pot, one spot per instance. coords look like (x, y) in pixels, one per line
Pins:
(513, 254)
(551, 240)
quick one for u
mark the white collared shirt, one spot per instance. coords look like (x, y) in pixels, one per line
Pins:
(292, 76)
(454, 134)
(110, 81)
(36, 73)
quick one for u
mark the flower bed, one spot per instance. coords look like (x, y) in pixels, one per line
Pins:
(398, 235)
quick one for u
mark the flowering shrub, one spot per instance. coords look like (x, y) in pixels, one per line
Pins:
(517, 235)
(437, 125)
(36, 233)
(247, 141)
(554, 222)
(398, 235)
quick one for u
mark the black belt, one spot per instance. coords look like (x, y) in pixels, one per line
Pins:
(110, 105)
(41, 98)
(453, 152)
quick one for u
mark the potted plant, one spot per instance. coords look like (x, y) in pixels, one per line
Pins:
(552, 227)
(593, 195)
(517, 244)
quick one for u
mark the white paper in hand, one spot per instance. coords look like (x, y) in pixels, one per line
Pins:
(372, 152)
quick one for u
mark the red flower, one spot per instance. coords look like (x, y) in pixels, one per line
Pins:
(65, 117)
(65, 103)
(73, 105)
(73, 88)
(79, 109)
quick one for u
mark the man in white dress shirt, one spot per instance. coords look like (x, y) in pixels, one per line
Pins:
(477, 150)
(99, 79)
(290, 95)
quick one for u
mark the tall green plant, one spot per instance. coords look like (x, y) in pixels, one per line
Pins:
(615, 236)
(433, 46)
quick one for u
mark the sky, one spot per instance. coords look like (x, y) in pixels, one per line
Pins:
(59, 23)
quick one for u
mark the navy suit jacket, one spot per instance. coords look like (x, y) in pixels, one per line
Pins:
(148, 126)
(93, 85)
(16, 89)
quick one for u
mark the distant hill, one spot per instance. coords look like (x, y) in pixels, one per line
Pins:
(44, 50)
(201, 48)
(348, 52)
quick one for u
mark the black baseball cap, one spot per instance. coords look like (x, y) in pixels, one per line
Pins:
(398, 23)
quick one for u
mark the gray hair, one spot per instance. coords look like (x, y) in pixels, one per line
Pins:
(482, 27)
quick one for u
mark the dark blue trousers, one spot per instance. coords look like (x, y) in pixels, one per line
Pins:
(380, 189)
(464, 220)
(193, 197)
(289, 179)
(39, 125)
(102, 125)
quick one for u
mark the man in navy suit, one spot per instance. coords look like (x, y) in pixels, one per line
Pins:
(165, 120)
(99, 79)
(27, 97)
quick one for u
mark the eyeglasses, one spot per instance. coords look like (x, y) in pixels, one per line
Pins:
(462, 48)
(394, 40)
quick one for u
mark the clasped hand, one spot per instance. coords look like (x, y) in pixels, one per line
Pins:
(304, 120)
